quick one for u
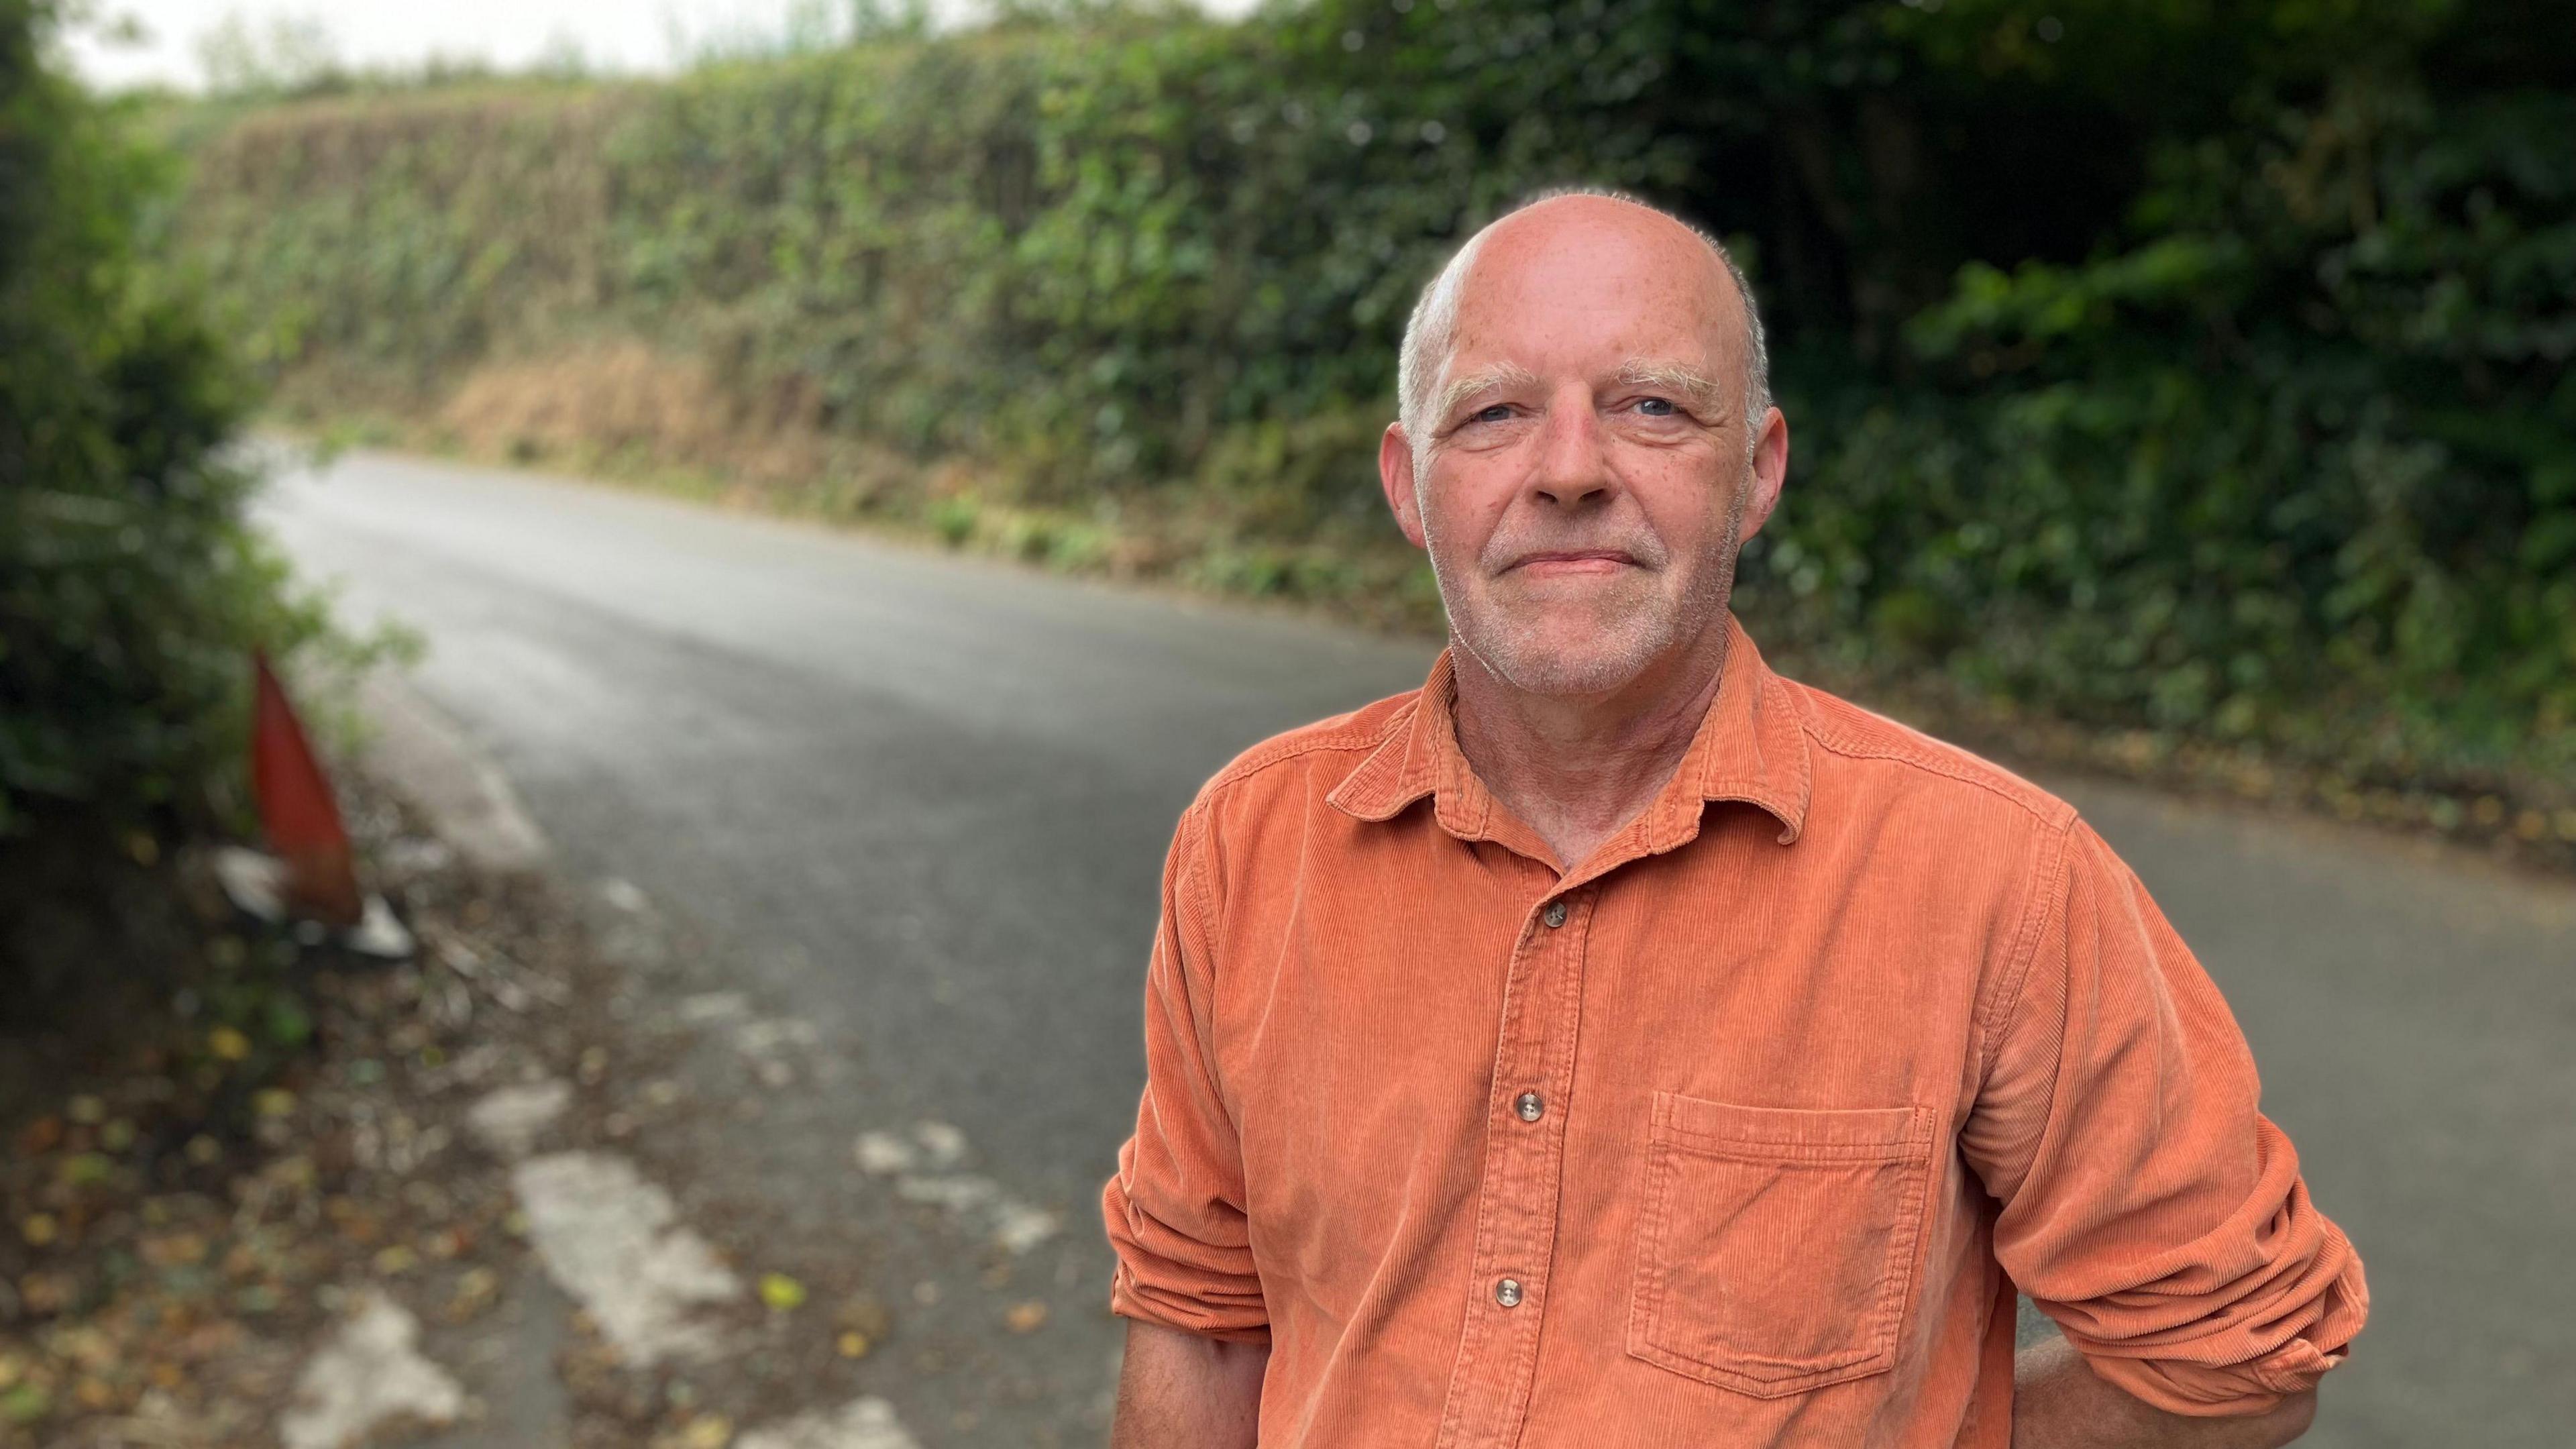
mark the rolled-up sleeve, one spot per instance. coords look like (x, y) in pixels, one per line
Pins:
(1175, 1207)
(2147, 1205)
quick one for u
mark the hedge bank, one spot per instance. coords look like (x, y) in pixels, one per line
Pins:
(132, 589)
(2196, 381)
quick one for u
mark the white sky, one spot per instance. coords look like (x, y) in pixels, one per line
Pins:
(611, 34)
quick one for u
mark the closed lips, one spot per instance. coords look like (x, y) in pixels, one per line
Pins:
(1575, 559)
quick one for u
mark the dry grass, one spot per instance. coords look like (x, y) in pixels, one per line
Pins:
(627, 397)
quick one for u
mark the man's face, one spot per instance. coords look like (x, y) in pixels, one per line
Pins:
(1585, 484)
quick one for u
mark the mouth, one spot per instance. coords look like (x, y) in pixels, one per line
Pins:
(1572, 562)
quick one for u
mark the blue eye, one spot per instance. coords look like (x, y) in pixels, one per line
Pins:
(1498, 412)
(1656, 407)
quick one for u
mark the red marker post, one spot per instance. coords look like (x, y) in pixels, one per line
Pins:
(297, 810)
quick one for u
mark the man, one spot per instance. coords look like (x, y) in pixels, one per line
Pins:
(1615, 1044)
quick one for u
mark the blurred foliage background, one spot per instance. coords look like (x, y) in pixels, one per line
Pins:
(2189, 377)
(132, 588)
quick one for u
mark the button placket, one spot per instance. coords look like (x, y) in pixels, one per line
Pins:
(1516, 1225)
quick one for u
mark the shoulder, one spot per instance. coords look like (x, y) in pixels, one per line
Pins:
(1896, 762)
(1312, 757)
(1263, 808)
(1958, 837)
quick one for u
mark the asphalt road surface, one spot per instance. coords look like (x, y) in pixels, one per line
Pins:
(920, 803)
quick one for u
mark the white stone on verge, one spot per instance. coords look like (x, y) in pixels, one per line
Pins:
(380, 934)
(956, 1194)
(367, 1374)
(508, 1120)
(882, 1152)
(254, 881)
(607, 1238)
(709, 1006)
(867, 1423)
(760, 1038)
(945, 1144)
(1015, 1225)
(1019, 1227)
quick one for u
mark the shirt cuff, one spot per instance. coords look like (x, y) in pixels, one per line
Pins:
(2180, 1381)
(1168, 1278)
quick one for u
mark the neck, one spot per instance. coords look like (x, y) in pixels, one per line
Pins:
(1576, 768)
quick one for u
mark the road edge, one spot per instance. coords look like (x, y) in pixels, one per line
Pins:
(468, 800)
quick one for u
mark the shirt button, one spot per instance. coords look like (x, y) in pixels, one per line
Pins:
(1554, 915)
(1508, 1293)
(1530, 1106)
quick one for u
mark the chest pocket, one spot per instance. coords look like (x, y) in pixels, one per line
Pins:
(1777, 1247)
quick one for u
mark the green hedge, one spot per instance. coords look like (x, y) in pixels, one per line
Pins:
(131, 589)
(2294, 463)
(2194, 369)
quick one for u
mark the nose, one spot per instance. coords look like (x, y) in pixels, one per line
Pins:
(1573, 466)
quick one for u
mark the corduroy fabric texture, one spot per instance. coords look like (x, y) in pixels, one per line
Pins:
(1846, 1037)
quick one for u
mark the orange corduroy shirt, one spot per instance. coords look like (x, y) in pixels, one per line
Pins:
(1741, 1132)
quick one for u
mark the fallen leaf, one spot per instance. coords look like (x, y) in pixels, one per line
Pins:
(39, 1229)
(227, 1044)
(47, 1292)
(1025, 1317)
(356, 1224)
(174, 1250)
(83, 1169)
(709, 1431)
(87, 1346)
(780, 1292)
(24, 1404)
(863, 1315)
(475, 1291)
(852, 1345)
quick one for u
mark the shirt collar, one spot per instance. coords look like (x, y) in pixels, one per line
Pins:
(1749, 748)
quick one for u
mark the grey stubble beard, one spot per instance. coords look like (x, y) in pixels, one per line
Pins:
(1509, 651)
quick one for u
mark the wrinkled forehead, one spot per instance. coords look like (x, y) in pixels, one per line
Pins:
(1595, 289)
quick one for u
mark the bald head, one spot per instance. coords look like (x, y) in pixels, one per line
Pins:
(1558, 232)
(1586, 442)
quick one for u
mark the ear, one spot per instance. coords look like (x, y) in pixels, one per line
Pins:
(1395, 475)
(1770, 471)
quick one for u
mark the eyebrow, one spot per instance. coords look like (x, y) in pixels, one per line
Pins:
(1692, 384)
(1695, 386)
(1491, 379)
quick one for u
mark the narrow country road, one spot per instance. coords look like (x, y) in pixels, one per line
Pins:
(920, 804)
